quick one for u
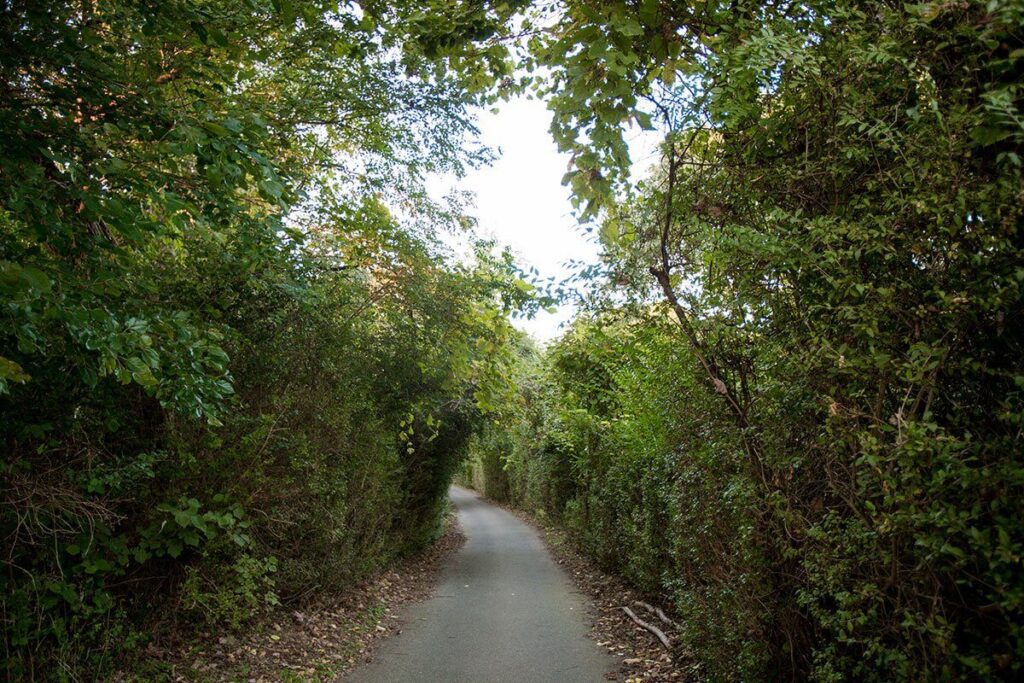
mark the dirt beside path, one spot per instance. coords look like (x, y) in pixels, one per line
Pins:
(642, 656)
(317, 641)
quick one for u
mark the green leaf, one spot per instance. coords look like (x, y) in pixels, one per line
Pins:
(629, 27)
(988, 135)
(9, 370)
(36, 279)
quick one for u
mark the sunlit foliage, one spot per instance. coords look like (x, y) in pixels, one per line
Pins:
(236, 363)
(796, 411)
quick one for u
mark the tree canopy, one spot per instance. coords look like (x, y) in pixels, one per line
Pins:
(239, 362)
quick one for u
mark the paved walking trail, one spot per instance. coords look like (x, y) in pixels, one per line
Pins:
(503, 611)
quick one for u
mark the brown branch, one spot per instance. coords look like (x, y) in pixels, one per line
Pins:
(662, 273)
(656, 611)
(658, 633)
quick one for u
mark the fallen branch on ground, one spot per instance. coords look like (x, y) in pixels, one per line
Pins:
(655, 611)
(650, 627)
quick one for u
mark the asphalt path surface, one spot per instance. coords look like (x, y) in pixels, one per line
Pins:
(503, 611)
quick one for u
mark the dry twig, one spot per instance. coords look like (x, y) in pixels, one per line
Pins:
(658, 633)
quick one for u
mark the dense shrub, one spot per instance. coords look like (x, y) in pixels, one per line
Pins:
(796, 408)
(619, 443)
(236, 365)
(331, 458)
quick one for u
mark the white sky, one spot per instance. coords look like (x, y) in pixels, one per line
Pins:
(520, 200)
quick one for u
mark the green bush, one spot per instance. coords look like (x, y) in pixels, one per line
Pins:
(802, 355)
(230, 372)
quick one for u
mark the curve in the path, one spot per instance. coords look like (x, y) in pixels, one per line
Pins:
(503, 611)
